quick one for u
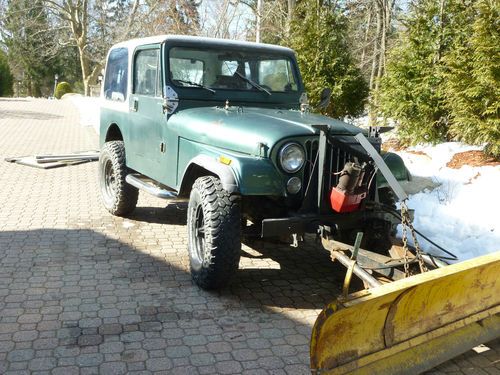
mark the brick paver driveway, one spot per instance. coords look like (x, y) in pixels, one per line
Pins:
(84, 292)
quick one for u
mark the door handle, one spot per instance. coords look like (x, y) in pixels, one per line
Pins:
(135, 105)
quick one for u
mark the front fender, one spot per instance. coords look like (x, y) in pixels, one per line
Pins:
(397, 167)
(246, 174)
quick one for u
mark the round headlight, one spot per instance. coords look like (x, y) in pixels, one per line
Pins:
(292, 157)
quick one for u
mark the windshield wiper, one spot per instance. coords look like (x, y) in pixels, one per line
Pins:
(195, 84)
(254, 84)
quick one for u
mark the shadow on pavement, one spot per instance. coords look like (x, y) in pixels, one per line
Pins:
(18, 114)
(172, 214)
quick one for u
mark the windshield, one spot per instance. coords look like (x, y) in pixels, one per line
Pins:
(231, 70)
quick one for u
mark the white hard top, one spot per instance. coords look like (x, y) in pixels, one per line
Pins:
(134, 43)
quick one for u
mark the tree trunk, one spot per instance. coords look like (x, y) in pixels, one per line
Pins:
(388, 9)
(376, 46)
(258, 16)
(85, 67)
(367, 33)
(381, 53)
(375, 61)
(30, 87)
(384, 10)
(291, 7)
(131, 20)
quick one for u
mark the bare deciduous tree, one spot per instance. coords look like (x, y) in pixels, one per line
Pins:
(75, 14)
(227, 19)
(93, 30)
(272, 19)
(373, 24)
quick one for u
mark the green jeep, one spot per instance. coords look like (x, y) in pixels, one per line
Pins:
(226, 125)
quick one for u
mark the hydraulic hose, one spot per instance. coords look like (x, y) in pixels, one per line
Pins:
(451, 255)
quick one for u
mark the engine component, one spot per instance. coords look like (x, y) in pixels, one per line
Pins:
(349, 192)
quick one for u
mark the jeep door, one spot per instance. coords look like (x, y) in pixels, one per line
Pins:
(146, 112)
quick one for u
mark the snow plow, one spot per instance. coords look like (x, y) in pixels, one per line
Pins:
(416, 312)
(412, 324)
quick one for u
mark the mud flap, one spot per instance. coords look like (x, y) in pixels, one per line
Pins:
(410, 325)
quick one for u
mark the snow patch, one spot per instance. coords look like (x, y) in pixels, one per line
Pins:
(89, 109)
(461, 214)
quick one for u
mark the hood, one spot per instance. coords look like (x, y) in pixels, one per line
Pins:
(241, 129)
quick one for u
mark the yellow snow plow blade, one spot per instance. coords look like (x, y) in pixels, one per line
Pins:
(410, 325)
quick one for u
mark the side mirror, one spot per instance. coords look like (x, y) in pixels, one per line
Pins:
(325, 98)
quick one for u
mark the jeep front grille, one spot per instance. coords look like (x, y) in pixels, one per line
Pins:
(338, 152)
(311, 153)
(334, 163)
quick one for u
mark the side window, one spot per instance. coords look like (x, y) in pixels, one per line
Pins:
(115, 82)
(146, 72)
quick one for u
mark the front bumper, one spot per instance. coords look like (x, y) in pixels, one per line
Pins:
(310, 223)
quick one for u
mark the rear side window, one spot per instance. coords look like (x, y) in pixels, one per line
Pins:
(146, 73)
(115, 82)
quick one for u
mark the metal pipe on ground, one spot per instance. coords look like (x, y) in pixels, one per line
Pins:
(66, 158)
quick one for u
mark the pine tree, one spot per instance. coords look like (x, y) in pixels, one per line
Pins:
(473, 78)
(411, 91)
(318, 35)
(26, 33)
(442, 78)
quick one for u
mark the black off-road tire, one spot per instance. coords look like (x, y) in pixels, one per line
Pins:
(118, 197)
(214, 233)
(386, 197)
(378, 235)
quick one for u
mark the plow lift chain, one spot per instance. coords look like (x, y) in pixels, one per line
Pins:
(403, 197)
(407, 223)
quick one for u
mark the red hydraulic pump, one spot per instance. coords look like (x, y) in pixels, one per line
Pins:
(350, 191)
